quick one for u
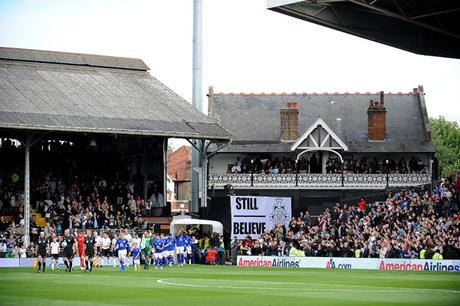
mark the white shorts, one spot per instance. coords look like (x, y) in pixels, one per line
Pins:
(189, 249)
(159, 255)
(122, 254)
(168, 253)
(180, 250)
(137, 261)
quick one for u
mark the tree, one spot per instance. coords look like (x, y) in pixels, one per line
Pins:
(446, 140)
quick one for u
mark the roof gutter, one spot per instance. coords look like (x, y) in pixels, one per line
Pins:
(111, 131)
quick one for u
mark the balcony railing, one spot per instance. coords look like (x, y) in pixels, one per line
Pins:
(317, 181)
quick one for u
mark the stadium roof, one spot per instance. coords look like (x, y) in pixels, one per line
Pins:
(427, 27)
(46, 90)
(254, 120)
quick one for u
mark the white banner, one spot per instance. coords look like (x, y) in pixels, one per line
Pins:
(255, 215)
(447, 265)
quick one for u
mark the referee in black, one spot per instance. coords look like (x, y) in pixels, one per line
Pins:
(90, 245)
(42, 249)
(68, 242)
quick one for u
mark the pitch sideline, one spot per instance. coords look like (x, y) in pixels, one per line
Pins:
(367, 288)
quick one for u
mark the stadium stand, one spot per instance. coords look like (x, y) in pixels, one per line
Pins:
(407, 224)
(403, 225)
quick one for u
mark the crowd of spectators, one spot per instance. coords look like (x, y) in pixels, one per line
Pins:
(83, 203)
(67, 188)
(94, 204)
(312, 165)
(407, 224)
(76, 203)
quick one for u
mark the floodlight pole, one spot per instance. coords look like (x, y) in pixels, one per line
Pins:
(196, 99)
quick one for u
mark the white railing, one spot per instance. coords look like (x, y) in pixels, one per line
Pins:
(219, 180)
(319, 180)
(364, 180)
(316, 181)
(396, 180)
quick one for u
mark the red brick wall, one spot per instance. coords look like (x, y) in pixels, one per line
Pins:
(377, 121)
(289, 122)
(179, 163)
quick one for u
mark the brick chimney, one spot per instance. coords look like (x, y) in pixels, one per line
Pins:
(377, 119)
(290, 122)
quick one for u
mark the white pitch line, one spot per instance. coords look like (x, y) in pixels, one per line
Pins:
(366, 288)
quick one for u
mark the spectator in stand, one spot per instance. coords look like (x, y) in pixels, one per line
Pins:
(248, 241)
(256, 249)
(236, 168)
(157, 201)
(362, 204)
(132, 203)
(307, 219)
(3, 224)
(148, 208)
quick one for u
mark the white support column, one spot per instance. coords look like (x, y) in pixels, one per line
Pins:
(204, 176)
(324, 156)
(27, 146)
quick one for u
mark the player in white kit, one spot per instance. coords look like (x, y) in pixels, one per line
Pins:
(54, 245)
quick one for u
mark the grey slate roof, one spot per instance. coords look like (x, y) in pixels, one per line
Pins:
(254, 120)
(55, 57)
(46, 90)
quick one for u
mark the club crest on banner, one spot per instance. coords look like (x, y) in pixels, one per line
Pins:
(279, 214)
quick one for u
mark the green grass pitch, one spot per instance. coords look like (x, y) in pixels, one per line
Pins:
(226, 285)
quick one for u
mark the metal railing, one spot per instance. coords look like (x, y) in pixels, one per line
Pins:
(317, 181)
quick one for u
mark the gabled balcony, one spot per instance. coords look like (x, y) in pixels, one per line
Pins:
(316, 181)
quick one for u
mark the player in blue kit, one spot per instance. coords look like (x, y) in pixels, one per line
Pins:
(122, 245)
(136, 254)
(180, 248)
(170, 246)
(157, 243)
(188, 248)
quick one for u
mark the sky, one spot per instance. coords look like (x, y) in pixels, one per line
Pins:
(246, 48)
